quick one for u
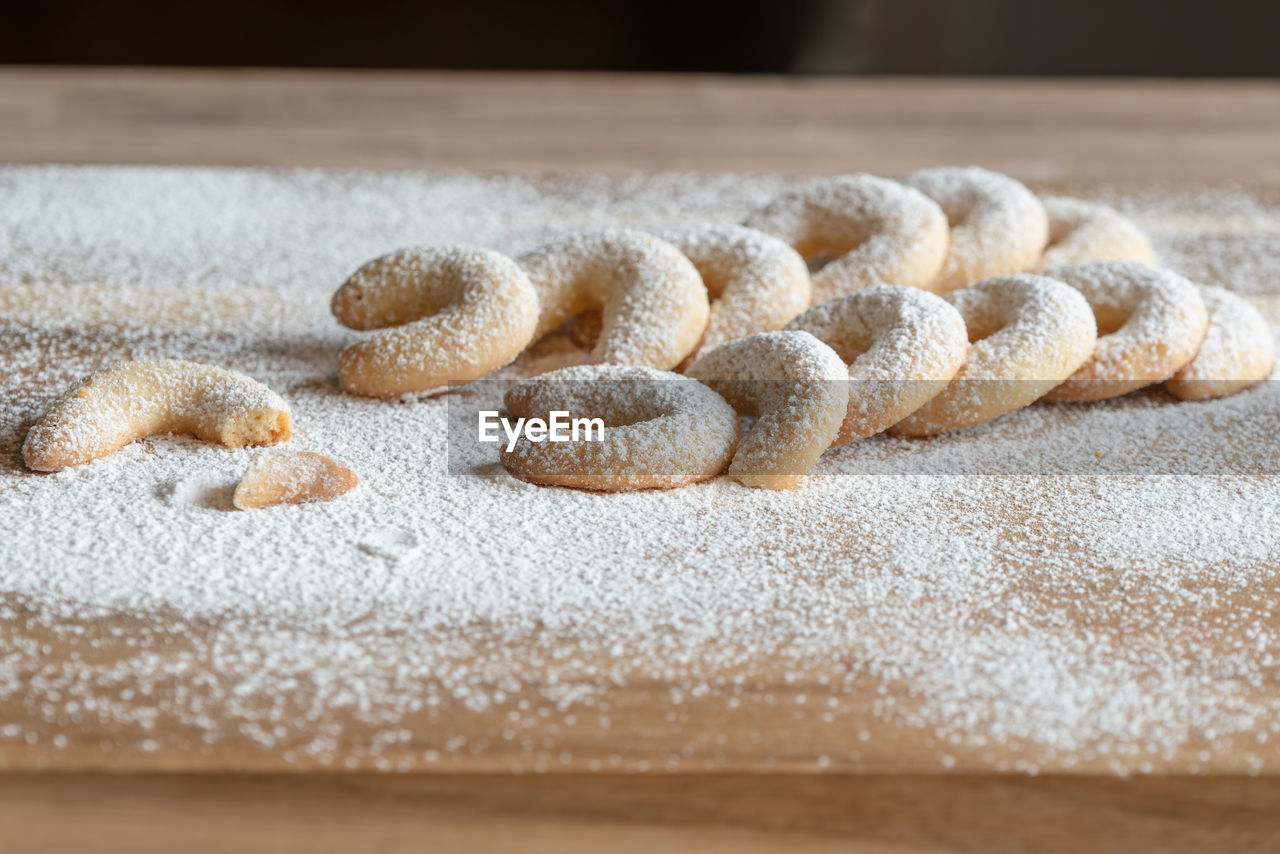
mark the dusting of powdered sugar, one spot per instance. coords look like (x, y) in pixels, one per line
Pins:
(1082, 231)
(136, 399)
(792, 384)
(902, 346)
(1005, 609)
(472, 308)
(998, 226)
(862, 230)
(1238, 345)
(1028, 334)
(654, 305)
(756, 282)
(660, 428)
(1151, 321)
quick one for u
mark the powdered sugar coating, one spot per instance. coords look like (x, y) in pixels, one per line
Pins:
(1238, 350)
(459, 312)
(1028, 334)
(654, 307)
(902, 345)
(868, 230)
(794, 386)
(1082, 231)
(134, 400)
(755, 281)
(1150, 324)
(661, 429)
(998, 226)
(984, 614)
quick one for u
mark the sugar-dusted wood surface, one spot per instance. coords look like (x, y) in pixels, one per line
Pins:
(229, 682)
(1097, 129)
(1062, 130)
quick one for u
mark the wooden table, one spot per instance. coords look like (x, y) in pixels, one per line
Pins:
(1089, 130)
(1049, 131)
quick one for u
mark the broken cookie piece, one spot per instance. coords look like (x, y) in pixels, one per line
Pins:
(293, 477)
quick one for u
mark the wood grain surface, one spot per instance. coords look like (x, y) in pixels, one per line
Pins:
(1062, 130)
(889, 814)
(1034, 129)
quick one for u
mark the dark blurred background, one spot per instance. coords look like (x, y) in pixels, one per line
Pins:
(982, 37)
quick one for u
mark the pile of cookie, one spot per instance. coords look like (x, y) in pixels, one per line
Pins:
(847, 307)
